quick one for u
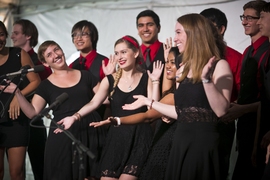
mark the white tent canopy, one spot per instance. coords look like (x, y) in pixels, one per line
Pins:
(114, 19)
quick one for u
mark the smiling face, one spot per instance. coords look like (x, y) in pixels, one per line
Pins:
(250, 26)
(180, 37)
(170, 67)
(19, 39)
(82, 40)
(54, 56)
(147, 30)
(264, 24)
(125, 56)
(3, 39)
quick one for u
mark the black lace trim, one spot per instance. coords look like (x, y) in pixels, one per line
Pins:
(196, 114)
(129, 169)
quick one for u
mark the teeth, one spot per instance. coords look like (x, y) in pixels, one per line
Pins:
(146, 35)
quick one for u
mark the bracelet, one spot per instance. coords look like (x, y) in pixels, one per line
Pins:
(118, 121)
(157, 80)
(205, 81)
(77, 116)
(150, 107)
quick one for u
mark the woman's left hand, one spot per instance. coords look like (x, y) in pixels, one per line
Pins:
(207, 70)
(157, 70)
(110, 67)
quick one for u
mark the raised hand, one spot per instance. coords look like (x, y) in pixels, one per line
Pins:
(110, 68)
(167, 46)
(157, 70)
(208, 69)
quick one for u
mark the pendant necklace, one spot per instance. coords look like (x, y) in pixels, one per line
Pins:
(129, 87)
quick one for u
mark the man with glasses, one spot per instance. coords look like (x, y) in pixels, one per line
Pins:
(85, 37)
(248, 165)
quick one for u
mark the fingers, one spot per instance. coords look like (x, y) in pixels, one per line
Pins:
(56, 131)
(14, 112)
(158, 64)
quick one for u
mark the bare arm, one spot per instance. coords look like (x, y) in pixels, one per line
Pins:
(166, 84)
(167, 110)
(96, 101)
(34, 80)
(153, 90)
(29, 109)
(218, 91)
(148, 116)
(33, 108)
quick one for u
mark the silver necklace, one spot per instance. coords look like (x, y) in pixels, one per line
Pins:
(129, 87)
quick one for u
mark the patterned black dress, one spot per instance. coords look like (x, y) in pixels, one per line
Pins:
(194, 154)
(156, 163)
(126, 146)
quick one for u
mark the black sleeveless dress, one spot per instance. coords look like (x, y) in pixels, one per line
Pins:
(157, 159)
(194, 154)
(126, 146)
(61, 161)
(13, 133)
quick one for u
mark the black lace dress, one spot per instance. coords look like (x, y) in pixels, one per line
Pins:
(194, 154)
(156, 163)
(126, 146)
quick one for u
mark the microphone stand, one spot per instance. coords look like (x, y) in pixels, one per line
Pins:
(2, 113)
(81, 149)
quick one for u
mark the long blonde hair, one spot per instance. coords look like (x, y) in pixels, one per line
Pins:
(200, 45)
(132, 44)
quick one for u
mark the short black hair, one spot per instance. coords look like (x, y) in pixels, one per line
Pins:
(266, 7)
(3, 27)
(149, 13)
(92, 28)
(216, 16)
(256, 5)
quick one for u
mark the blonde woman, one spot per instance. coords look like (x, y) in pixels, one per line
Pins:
(126, 146)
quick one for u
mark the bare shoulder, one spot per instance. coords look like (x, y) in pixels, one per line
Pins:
(222, 68)
(222, 62)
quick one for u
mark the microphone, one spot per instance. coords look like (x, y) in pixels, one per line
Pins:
(24, 70)
(58, 101)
